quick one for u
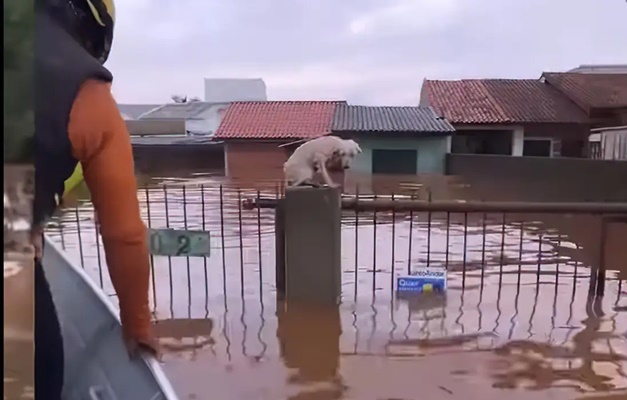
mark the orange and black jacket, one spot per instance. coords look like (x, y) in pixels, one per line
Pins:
(77, 120)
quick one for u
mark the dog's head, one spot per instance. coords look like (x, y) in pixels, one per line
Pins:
(344, 155)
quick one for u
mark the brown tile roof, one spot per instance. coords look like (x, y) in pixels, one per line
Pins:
(591, 90)
(277, 120)
(500, 101)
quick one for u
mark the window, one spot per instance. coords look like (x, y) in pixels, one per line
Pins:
(482, 142)
(402, 162)
(540, 147)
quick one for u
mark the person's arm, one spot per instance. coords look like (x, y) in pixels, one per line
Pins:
(101, 142)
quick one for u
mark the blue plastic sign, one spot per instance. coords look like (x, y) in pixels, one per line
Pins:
(423, 280)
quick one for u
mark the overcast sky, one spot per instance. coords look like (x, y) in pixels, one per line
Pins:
(364, 51)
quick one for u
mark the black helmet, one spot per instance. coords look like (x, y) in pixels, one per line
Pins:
(90, 22)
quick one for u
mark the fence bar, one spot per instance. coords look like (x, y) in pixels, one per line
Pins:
(204, 228)
(80, 239)
(189, 272)
(600, 289)
(374, 251)
(502, 258)
(97, 231)
(393, 274)
(279, 228)
(222, 242)
(259, 248)
(465, 251)
(152, 258)
(167, 225)
(356, 242)
(241, 240)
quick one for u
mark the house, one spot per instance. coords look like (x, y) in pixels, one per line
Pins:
(201, 118)
(551, 116)
(395, 140)
(602, 96)
(519, 117)
(253, 131)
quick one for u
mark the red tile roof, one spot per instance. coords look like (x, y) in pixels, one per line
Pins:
(500, 101)
(277, 120)
(591, 90)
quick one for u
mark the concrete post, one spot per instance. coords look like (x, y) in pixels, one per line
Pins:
(312, 244)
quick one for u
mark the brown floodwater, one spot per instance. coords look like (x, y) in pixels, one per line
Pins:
(18, 285)
(18, 327)
(515, 320)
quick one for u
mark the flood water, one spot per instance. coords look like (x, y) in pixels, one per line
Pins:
(18, 328)
(515, 320)
(18, 287)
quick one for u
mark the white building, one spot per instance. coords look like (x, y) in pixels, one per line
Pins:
(229, 90)
(201, 118)
(601, 69)
(609, 143)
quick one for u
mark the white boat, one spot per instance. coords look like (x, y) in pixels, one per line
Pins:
(97, 365)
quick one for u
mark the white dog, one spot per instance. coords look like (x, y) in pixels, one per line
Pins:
(315, 156)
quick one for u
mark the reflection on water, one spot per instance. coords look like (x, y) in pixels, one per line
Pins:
(516, 314)
(18, 284)
(18, 328)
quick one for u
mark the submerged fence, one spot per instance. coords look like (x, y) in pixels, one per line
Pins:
(480, 244)
(516, 274)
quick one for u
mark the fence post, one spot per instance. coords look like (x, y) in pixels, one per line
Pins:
(312, 244)
(279, 231)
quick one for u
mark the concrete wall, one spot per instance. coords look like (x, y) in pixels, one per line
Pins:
(155, 127)
(228, 90)
(431, 152)
(251, 160)
(541, 178)
(177, 159)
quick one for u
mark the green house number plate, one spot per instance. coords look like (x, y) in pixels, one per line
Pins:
(179, 243)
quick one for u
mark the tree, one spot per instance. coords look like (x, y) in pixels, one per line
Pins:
(19, 24)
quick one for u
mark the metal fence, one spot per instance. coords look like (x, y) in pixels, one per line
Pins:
(480, 244)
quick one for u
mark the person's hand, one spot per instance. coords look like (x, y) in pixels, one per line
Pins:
(149, 346)
(36, 239)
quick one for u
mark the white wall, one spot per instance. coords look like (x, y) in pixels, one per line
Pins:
(518, 141)
(613, 142)
(228, 90)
